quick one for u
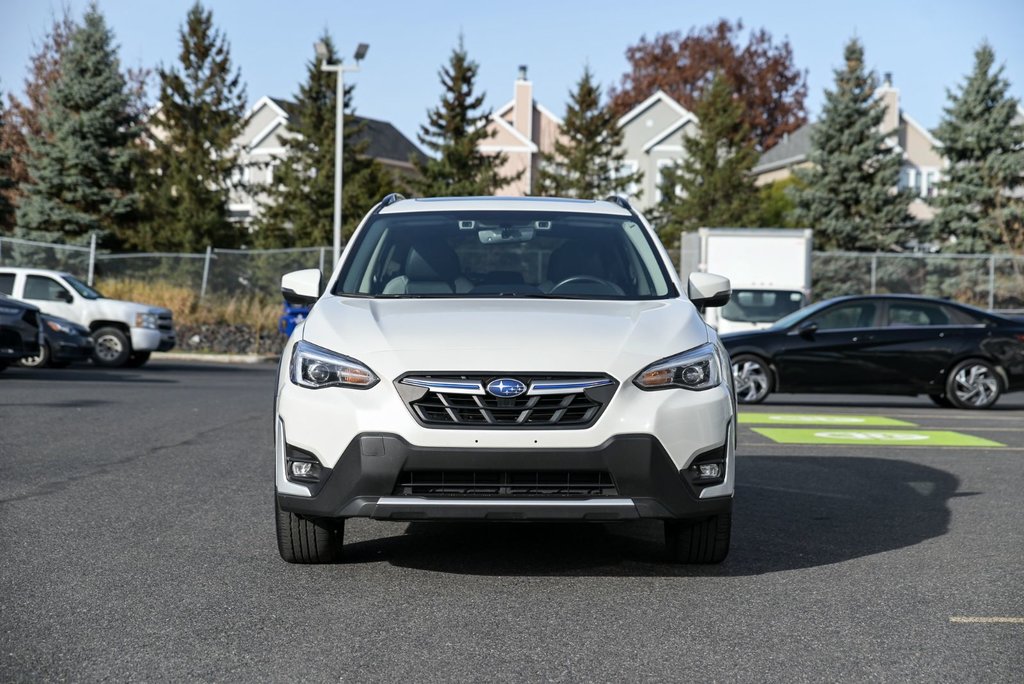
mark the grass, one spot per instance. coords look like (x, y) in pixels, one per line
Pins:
(256, 310)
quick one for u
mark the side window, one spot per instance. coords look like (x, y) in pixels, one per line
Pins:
(903, 314)
(853, 315)
(7, 283)
(45, 289)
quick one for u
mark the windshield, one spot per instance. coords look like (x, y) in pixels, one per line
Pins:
(796, 316)
(81, 288)
(761, 306)
(504, 254)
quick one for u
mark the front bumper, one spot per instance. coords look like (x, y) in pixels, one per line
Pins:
(149, 339)
(363, 482)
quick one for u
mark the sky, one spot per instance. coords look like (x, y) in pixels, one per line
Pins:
(928, 46)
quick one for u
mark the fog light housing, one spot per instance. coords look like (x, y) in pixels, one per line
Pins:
(711, 471)
(707, 469)
(303, 471)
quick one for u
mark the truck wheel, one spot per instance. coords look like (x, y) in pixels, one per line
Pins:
(137, 359)
(302, 540)
(753, 378)
(40, 360)
(699, 541)
(112, 347)
(973, 384)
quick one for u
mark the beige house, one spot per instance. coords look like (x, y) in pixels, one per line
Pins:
(261, 146)
(652, 138)
(523, 130)
(922, 161)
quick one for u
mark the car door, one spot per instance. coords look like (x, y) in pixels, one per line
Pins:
(831, 351)
(50, 296)
(917, 343)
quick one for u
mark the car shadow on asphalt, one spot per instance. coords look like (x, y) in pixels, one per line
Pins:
(791, 512)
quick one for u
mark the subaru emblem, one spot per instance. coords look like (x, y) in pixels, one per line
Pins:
(505, 388)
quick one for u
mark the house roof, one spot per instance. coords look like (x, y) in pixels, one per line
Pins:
(658, 95)
(384, 141)
(792, 149)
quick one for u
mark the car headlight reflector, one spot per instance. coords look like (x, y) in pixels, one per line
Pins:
(145, 320)
(697, 369)
(315, 368)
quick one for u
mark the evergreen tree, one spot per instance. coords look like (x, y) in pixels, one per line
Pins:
(454, 131)
(6, 177)
(189, 175)
(850, 196)
(587, 159)
(712, 184)
(80, 166)
(985, 149)
(300, 202)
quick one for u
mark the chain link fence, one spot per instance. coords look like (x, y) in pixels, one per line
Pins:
(216, 271)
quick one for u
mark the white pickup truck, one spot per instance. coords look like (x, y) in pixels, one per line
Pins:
(125, 333)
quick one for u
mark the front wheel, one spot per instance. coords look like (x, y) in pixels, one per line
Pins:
(40, 360)
(973, 384)
(304, 540)
(699, 541)
(112, 347)
(753, 378)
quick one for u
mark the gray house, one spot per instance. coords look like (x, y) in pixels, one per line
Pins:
(261, 146)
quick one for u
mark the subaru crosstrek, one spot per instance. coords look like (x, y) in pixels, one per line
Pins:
(504, 359)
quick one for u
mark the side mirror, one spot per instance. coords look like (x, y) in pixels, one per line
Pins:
(807, 329)
(66, 297)
(302, 287)
(708, 289)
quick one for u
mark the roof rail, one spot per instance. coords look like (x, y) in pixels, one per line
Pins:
(391, 199)
(621, 201)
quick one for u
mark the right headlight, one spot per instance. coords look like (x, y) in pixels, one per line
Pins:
(697, 369)
(315, 368)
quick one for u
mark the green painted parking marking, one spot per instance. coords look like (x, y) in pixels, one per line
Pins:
(872, 437)
(818, 419)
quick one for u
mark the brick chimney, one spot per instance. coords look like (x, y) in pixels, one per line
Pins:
(522, 108)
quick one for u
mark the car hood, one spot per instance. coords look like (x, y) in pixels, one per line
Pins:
(123, 307)
(504, 335)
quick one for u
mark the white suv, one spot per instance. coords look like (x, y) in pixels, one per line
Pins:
(504, 359)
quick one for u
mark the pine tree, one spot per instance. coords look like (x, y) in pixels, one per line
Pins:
(587, 159)
(6, 177)
(189, 176)
(850, 196)
(81, 163)
(712, 184)
(985, 149)
(454, 131)
(300, 202)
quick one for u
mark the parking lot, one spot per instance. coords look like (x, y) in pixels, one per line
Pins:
(876, 538)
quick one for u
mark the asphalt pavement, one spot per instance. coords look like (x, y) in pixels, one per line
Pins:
(137, 543)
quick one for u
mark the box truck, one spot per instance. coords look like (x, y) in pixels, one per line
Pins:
(769, 268)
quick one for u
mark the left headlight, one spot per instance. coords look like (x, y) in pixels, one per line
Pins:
(315, 368)
(697, 369)
(145, 320)
(59, 327)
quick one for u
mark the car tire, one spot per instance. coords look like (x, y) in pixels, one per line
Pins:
(941, 400)
(137, 359)
(112, 348)
(753, 378)
(973, 384)
(699, 541)
(307, 541)
(40, 360)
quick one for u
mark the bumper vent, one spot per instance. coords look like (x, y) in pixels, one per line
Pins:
(506, 484)
(547, 402)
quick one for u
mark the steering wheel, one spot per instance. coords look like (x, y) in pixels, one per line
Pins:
(587, 279)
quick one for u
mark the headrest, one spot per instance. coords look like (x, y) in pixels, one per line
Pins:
(436, 261)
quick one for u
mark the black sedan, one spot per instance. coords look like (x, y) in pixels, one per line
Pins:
(886, 344)
(63, 343)
(19, 330)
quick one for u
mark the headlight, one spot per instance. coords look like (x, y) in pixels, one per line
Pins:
(145, 320)
(697, 369)
(315, 367)
(60, 327)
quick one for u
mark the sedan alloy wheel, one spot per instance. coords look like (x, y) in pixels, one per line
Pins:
(753, 379)
(974, 384)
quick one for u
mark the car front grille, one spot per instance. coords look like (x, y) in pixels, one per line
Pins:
(506, 484)
(547, 402)
(164, 322)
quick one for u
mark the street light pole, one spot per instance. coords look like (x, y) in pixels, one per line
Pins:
(339, 131)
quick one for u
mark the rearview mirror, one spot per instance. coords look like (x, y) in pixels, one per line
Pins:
(708, 289)
(302, 287)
